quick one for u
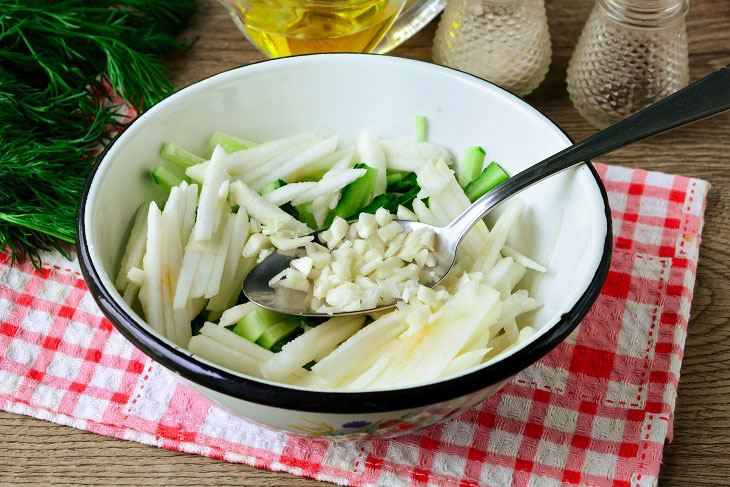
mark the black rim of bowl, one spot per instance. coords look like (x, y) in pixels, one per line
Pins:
(284, 397)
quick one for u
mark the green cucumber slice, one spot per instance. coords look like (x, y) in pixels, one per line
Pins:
(165, 177)
(254, 324)
(230, 143)
(179, 156)
(357, 194)
(268, 188)
(421, 122)
(488, 179)
(471, 167)
(277, 333)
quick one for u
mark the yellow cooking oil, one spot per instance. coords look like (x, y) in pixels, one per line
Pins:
(288, 27)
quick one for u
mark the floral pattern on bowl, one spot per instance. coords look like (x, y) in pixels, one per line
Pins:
(406, 423)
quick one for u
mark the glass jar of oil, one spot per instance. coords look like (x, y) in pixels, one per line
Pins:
(289, 27)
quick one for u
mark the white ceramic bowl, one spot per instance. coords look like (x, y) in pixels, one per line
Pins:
(346, 94)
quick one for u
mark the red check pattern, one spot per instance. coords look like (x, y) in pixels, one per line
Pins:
(596, 411)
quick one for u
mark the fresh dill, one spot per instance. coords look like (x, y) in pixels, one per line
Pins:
(58, 60)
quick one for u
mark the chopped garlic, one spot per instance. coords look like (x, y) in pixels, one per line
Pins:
(359, 246)
(136, 276)
(341, 268)
(303, 265)
(435, 299)
(366, 225)
(372, 262)
(343, 295)
(421, 257)
(274, 280)
(336, 232)
(395, 245)
(371, 265)
(295, 280)
(389, 231)
(286, 243)
(382, 216)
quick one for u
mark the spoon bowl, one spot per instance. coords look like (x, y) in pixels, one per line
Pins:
(256, 285)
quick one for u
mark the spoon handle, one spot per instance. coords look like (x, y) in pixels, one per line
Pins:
(706, 97)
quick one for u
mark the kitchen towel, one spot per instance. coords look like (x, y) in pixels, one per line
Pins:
(596, 411)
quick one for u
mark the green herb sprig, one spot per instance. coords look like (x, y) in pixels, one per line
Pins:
(58, 60)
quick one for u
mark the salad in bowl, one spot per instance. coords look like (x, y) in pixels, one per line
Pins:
(318, 155)
(185, 264)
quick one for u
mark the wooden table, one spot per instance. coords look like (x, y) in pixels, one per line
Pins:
(36, 451)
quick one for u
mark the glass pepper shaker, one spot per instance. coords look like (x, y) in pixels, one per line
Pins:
(504, 41)
(631, 53)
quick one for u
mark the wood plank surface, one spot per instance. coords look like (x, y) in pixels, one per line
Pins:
(39, 452)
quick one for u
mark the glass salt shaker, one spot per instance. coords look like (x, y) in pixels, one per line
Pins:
(504, 41)
(631, 54)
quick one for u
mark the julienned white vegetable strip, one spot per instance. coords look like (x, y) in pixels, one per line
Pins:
(225, 299)
(169, 233)
(426, 355)
(371, 154)
(343, 160)
(176, 201)
(363, 380)
(286, 193)
(502, 344)
(191, 259)
(516, 304)
(135, 249)
(423, 213)
(233, 315)
(322, 205)
(231, 340)
(447, 201)
(465, 361)
(240, 162)
(340, 159)
(219, 353)
(508, 251)
(505, 275)
(292, 170)
(191, 204)
(359, 351)
(219, 340)
(209, 196)
(262, 210)
(498, 236)
(410, 156)
(333, 180)
(220, 258)
(153, 309)
(209, 251)
(270, 154)
(172, 224)
(130, 293)
(231, 273)
(319, 340)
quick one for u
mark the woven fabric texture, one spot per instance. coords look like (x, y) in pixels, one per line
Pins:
(596, 411)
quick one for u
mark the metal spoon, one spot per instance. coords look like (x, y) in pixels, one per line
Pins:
(706, 97)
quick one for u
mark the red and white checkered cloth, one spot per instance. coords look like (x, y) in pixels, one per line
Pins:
(596, 411)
